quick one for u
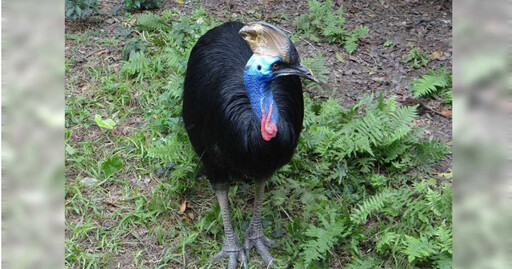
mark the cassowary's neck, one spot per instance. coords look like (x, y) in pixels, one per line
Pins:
(260, 94)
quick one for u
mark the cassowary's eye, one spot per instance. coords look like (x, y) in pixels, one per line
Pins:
(259, 67)
(275, 66)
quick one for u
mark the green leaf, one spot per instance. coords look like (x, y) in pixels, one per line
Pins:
(69, 12)
(70, 150)
(107, 124)
(388, 44)
(111, 166)
(78, 11)
(339, 57)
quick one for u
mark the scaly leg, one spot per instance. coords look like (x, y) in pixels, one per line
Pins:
(254, 236)
(231, 248)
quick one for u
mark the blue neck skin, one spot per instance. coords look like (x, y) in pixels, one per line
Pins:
(257, 78)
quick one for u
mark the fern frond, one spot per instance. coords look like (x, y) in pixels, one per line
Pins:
(386, 240)
(351, 40)
(430, 83)
(322, 20)
(369, 206)
(444, 237)
(323, 238)
(151, 22)
(317, 66)
(417, 248)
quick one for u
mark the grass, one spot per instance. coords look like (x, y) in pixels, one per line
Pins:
(360, 190)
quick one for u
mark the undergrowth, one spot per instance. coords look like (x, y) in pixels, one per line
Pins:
(323, 23)
(416, 58)
(141, 4)
(434, 82)
(360, 188)
(81, 9)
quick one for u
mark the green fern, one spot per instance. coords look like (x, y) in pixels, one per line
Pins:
(131, 46)
(322, 20)
(136, 66)
(444, 240)
(417, 248)
(432, 82)
(350, 43)
(364, 263)
(151, 22)
(386, 241)
(443, 261)
(369, 206)
(417, 58)
(141, 67)
(321, 239)
(317, 66)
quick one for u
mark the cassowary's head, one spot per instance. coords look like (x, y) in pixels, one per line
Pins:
(274, 56)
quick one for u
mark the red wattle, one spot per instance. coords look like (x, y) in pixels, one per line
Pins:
(268, 129)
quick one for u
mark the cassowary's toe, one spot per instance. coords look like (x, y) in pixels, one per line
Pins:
(234, 256)
(261, 244)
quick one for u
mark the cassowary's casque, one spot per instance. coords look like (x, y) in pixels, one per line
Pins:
(243, 111)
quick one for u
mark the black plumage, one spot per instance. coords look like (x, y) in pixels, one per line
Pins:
(217, 112)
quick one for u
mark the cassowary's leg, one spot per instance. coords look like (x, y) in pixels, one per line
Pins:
(254, 236)
(231, 248)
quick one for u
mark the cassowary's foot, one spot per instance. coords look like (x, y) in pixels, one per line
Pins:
(235, 255)
(254, 238)
(231, 248)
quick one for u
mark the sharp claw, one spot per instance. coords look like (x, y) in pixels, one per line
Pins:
(263, 251)
(268, 242)
(261, 245)
(247, 252)
(219, 256)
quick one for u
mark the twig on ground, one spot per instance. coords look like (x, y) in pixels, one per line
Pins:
(432, 110)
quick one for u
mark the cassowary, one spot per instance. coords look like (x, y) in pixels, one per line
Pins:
(243, 112)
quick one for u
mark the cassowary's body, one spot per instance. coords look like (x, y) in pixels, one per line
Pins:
(243, 113)
(218, 116)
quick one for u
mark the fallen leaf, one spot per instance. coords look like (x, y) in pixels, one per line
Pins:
(183, 206)
(70, 150)
(118, 131)
(446, 175)
(132, 22)
(191, 215)
(339, 57)
(436, 54)
(181, 2)
(372, 15)
(88, 181)
(447, 113)
(265, 2)
(110, 204)
(107, 123)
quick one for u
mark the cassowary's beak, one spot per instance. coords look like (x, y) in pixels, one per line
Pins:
(300, 71)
